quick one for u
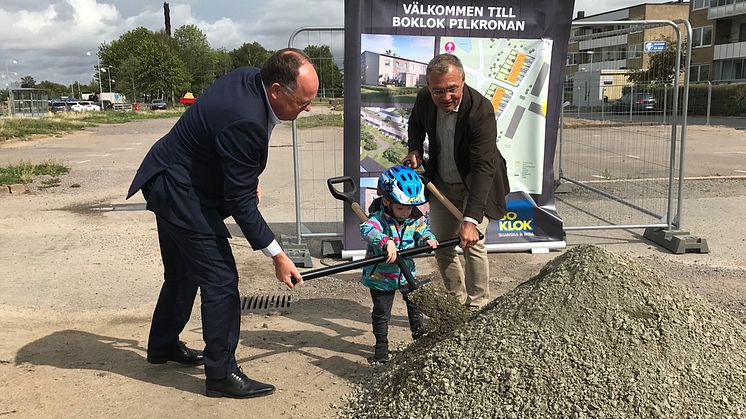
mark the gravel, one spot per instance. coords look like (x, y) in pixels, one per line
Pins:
(593, 335)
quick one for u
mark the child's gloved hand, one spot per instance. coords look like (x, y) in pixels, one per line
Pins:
(432, 243)
(391, 251)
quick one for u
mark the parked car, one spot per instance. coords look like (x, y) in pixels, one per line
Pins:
(85, 106)
(158, 104)
(58, 106)
(639, 101)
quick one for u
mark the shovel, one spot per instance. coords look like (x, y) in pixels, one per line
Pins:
(439, 195)
(357, 264)
(349, 195)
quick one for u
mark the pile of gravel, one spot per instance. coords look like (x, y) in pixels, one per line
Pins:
(592, 335)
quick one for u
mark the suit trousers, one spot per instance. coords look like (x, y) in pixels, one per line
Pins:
(190, 261)
(469, 283)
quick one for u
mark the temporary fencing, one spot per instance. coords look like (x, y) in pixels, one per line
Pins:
(622, 131)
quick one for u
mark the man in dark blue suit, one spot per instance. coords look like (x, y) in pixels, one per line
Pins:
(206, 169)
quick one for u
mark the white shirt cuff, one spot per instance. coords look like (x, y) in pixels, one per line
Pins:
(471, 220)
(273, 249)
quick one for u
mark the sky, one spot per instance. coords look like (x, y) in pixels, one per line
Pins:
(48, 39)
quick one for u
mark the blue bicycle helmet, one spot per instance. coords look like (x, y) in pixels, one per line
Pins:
(402, 185)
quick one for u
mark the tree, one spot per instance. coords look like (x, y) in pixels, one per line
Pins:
(330, 78)
(28, 82)
(149, 61)
(661, 67)
(253, 54)
(194, 51)
(54, 89)
(223, 62)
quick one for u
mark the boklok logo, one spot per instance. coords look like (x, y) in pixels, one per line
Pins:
(518, 221)
(510, 222)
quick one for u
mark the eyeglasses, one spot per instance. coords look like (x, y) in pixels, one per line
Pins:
(301, 104)
(440, 92)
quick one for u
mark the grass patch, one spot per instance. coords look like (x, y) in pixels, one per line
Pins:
(24, 127)
(24, 172)
(65, 122)
(316, 121)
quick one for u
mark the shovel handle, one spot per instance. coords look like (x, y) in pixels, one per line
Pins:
(411, 284)
(359, 212)
(355, 264)
(445, 201)
(349, 196)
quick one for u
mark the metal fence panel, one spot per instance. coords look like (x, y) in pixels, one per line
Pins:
(318, 151)
(619, 128)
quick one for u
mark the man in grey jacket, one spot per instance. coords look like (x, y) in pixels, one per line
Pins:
(465, 165)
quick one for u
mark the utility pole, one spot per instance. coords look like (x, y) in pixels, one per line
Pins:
(167, 17)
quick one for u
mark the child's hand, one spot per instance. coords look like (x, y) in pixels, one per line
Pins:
(432, 243)
(391, 250)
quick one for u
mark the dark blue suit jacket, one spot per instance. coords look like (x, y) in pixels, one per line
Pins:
(207, 167)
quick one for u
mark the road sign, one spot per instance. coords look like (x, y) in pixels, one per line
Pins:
(656, 46)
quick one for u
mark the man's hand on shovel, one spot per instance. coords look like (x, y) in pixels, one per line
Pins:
(285, 270)
(468, 234)
(413, 159)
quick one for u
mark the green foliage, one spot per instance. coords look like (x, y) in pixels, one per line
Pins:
(55, 89)
(146, 65)
(315, 121)
(199, 59)
(250, 54)
(367, 140)
(28, 82)
(223, 62)
(24, 127)
(396, 153)
(147, 60)
(661, 68)
(330, 77)
(24, 172)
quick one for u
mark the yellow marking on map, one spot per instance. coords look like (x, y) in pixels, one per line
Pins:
(517, 67)
(497, 98)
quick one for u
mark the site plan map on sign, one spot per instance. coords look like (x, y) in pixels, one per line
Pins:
(514, 75)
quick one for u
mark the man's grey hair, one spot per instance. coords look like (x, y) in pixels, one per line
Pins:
(441, 63)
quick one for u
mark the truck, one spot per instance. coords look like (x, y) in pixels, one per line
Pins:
(112, 97)
(109, 100)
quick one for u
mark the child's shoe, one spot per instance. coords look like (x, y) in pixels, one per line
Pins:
(381, 354)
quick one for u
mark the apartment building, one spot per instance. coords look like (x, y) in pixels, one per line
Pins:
(702, 41)
(602, 49)
(384, 69)
(724, 21)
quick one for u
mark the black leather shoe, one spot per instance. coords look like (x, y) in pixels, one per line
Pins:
(238, 386)
(181, 354)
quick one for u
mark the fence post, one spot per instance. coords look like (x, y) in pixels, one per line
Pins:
(631, 100)
(665, 100)
(709, 101)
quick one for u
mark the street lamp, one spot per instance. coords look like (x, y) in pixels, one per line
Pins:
(107, 70)
(10, 85)
(100, 86)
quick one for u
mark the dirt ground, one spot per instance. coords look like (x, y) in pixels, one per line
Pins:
(77, 289)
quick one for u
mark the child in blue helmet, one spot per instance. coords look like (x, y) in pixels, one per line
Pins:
(395, 223)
